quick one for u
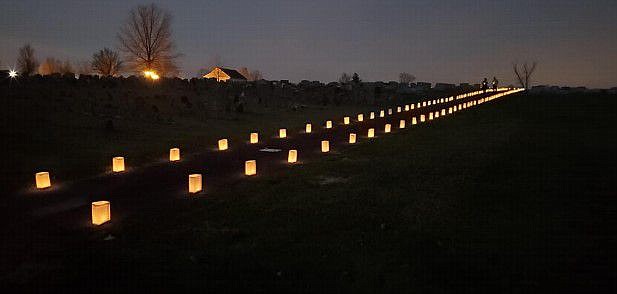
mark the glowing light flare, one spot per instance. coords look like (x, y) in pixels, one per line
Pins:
(151, 74)
(12, 74)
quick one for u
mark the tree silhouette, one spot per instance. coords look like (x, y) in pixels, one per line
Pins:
(406, 78)
(344, 79)
(26, 62)
(106, 62)
(146, 39)
(250, 75)
(256, 75)
(524, 73)
(50, 66)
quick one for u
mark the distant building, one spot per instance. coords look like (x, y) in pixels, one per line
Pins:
(225, 75)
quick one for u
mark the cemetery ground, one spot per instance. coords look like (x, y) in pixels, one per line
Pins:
(72, 146)
(515, 195)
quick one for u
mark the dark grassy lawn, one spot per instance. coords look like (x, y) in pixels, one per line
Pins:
(74, 146)
(517, 195)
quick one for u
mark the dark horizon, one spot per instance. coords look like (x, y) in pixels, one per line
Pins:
(444, 41)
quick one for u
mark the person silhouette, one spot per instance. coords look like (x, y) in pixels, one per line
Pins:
(495, 83)
(484, 85)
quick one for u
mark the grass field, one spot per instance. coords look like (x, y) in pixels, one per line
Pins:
(517, 196)
(43, 136)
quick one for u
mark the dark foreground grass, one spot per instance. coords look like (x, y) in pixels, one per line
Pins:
(514, 196)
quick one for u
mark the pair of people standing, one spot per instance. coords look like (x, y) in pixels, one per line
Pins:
(494, 84)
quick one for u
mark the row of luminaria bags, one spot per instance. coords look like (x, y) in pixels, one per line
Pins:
(101, 211)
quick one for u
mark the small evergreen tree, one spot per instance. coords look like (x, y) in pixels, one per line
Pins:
(356, 79)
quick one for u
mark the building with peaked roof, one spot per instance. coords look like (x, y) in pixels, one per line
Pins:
(222, 74)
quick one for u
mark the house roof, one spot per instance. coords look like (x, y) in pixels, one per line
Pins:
(233, 74)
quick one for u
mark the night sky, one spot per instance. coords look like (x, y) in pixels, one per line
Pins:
(575, 42)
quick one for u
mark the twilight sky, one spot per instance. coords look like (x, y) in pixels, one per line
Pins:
(575, 42)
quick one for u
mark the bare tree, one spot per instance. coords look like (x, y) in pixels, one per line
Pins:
(106, 62)
(256, 75)
(524, 73)
(245, 72)
(251, 75)
(146, 39)
(406, 78)
(50, 66)
(26, 62)
(345, 78)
